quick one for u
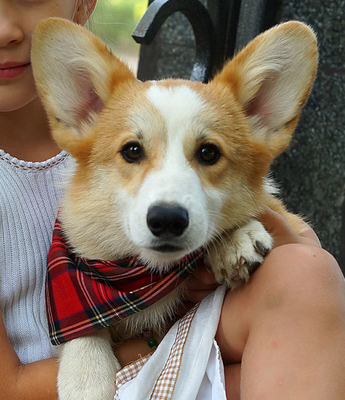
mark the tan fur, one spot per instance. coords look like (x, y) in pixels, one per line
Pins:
(249, 111)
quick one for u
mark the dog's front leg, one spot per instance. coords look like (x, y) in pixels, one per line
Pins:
(237, 253)
(87, 368)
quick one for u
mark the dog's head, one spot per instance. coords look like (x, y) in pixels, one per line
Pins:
(164, 167)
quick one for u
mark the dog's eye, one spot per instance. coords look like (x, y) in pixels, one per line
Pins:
(208, 154)
(132, 152)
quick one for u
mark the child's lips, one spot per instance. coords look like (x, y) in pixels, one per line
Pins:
(12, 70)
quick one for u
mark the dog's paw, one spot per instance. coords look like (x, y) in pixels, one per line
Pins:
(235, 256)
(87, 369)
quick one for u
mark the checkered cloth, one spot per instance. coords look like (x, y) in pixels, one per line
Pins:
(165, 383)
(83, 296)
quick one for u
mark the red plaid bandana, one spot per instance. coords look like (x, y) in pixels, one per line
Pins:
(83, 296)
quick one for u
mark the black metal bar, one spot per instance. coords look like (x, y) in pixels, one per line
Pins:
(255, 16)
(250, 21)
(200, 20)
(341, 257)
(225, 15)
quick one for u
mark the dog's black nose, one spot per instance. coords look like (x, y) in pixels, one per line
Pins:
(166, 221)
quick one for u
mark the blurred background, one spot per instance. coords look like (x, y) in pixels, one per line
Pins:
(113, 21)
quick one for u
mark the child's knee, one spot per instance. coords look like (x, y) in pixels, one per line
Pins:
(299, 261)
(299, 273)
(294, 280)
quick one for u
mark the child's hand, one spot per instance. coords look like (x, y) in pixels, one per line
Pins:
(201, 283)
(282, 233)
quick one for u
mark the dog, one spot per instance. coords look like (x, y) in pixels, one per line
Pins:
(162, 169)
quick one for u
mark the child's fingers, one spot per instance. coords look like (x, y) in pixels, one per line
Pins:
(278, 227)
(203, 275)
(201, 283)
(283, 233)
(312, 236)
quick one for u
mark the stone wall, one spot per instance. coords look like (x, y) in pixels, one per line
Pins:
(312, 171)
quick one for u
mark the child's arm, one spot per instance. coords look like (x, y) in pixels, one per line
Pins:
(35, 381)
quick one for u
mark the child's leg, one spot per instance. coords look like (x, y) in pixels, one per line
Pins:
(287, 326)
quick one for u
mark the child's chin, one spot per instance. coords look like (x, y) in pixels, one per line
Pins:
(17, 93)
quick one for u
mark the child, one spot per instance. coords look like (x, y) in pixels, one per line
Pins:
(29, 197)
(276, 326)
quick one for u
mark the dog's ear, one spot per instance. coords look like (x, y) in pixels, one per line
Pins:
(271, 78)
(75, 74)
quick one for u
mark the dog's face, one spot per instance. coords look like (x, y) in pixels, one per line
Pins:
(164, 167)
(159, 170)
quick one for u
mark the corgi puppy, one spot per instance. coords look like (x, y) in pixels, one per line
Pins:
(164, 168)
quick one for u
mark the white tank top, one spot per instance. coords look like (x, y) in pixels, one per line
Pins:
(29, 197)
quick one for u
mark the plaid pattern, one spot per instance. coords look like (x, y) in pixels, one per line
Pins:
(165, 383)
(87, 295)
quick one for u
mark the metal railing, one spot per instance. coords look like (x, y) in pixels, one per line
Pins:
(221, 27)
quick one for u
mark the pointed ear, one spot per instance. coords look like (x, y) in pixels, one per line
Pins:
(75, 75)
(271, 78)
